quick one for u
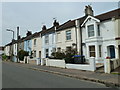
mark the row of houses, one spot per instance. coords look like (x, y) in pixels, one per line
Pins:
(93, 36)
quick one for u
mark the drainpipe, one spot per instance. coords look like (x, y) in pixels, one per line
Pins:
(76, 37)
(81, 48)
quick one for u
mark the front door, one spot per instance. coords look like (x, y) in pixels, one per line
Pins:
(112, 52)
(39, 54)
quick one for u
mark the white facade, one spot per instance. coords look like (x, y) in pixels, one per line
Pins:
(47, 48)
(7, 50)
(63, 43)
(15, 49)
(36, 47)
(105, 39)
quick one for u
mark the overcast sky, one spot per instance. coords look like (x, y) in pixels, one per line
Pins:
(31, 16)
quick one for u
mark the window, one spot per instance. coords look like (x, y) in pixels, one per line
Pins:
(68, 35)
(34, 41)
(90, 30)
(52, 39)
(54, 49)
(58, 37)
(34, 53)
(92, 51)
(47, 52)
(58, 49)
(98, 30)
(100, 50)
(46, 39)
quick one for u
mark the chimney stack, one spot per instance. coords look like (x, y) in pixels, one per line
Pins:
(55, 23)
(88, 10)
(17, 32)
(28, 33)
(44, 27)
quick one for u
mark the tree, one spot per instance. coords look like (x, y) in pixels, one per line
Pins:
(21, 54)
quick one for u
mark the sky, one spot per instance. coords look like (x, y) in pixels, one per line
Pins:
(32, 15)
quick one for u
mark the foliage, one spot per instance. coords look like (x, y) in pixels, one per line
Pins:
(67, 55)
(21, 54)
(57, 55)
(4, 57)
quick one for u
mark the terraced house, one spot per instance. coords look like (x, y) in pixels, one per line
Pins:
(93, 36)
(49, 39)
(36, 45)
(100, 35)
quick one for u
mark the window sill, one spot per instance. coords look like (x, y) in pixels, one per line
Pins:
(68, 40)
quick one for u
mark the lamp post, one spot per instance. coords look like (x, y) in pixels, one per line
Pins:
(12, 41)
(11, 31)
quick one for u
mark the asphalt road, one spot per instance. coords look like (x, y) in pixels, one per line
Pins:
(14, 76)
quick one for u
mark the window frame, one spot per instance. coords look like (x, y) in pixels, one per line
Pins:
(68, 35)
(35, 41)
(91, 31)
(90, 51)
(46, 39)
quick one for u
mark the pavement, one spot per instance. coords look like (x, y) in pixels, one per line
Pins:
(112, 80)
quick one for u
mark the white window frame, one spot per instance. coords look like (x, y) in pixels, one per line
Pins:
(92, 51)
(92, 31)
(35, 41)
(68, 37)
(46, 39)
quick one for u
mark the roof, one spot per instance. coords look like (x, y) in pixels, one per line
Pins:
(52, 29)
(71, 23)
(37, 34)
(67, 24)
(109, 15)
(9, 44)
(101, 17)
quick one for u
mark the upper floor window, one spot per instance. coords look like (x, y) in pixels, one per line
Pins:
(68, 35)
(46, 39)
(98, 27)
(90, 30)
(34, 41)
(28, 43)
(59, 37)
(100, 50)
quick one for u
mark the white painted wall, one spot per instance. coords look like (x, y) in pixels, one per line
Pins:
(107, 31)
(7, 50)
(50, 45)
(38, 46)
(90, 67)
(55, 63)
(15, 49)
(63, 43)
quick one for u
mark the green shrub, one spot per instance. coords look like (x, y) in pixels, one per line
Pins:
(21, 54)
(4, 57)
(57, 55)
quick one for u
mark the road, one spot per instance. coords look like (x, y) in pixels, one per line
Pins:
(14, 76)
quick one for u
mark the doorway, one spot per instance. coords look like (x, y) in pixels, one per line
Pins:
(111, 51)
(39, 54)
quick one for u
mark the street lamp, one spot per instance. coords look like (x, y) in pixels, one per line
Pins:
(12, 41)
(11, 31)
